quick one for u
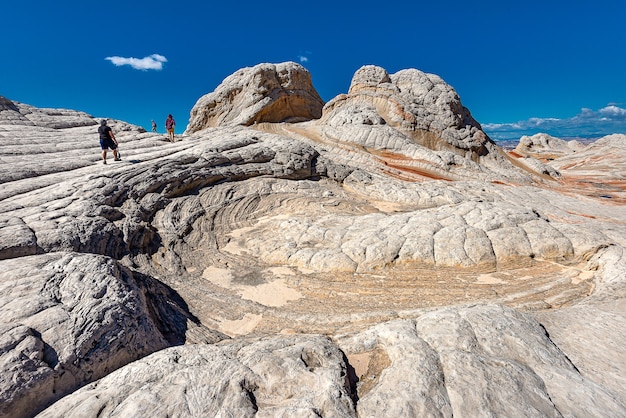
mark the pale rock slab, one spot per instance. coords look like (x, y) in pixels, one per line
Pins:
(68, 319)
(471, 361)
(583, 328)
(459, 361)
(295, 376)
(384, 212)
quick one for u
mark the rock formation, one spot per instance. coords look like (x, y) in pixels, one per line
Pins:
(547, 147)
(264, 93)
(376, 255)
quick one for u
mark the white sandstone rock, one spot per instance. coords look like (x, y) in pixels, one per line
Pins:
(391, 224)
(263, 93)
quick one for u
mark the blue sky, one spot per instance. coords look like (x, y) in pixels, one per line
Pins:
(517, 66)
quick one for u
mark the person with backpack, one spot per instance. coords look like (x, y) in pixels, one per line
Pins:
(170, 124)
(107, 140)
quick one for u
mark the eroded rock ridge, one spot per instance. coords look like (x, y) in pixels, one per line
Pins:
(377, 254)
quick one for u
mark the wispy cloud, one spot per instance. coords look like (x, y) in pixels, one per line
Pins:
(304, 56)
(587, 124)
(153, 62)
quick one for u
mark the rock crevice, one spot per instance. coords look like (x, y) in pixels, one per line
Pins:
(374, 255)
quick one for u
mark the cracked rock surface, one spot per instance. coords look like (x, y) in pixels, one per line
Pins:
(374, 255)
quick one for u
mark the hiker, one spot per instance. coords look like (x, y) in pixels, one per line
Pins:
(170, 124)
(107, 140)
(153, 126)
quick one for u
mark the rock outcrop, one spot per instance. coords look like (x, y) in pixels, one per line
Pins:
(16, 114)
(546, 147)
(420, 105)
(74, 319)
(601, 162)
(263, 93)
(488, 360)
(272, 376)
(385, 258)
(412, 125)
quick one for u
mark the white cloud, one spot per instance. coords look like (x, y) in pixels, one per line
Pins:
(613, 111)
(541, 121)
(587, 124)
(153, 62)
(501, 126)
(585, 112)
(303, 56)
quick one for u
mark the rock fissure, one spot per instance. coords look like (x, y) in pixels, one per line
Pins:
(377, 254)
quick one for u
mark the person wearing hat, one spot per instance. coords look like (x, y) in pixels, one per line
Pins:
(107, 140)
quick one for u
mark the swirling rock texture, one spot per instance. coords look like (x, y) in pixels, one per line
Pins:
(264, 93)
(377, 255)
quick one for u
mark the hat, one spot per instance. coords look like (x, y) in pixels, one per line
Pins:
(103, 122)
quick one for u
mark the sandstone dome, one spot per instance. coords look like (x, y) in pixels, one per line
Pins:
(375, 255)
(263, 93)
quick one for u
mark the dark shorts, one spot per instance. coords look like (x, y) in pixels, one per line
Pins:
(107, 143)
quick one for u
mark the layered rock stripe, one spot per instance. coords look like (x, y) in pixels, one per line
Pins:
(374, 255)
